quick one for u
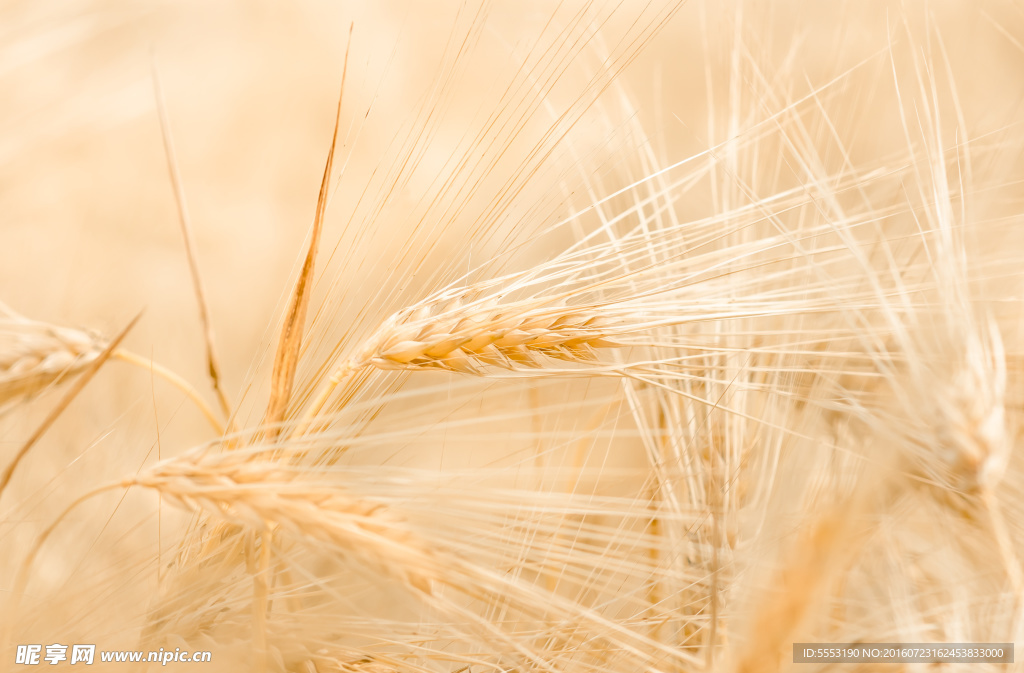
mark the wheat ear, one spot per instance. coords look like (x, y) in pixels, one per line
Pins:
(35, 355)
(62, 404)
(261, 496)
(470, 337)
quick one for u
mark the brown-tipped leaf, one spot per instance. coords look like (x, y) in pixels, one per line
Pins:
(290, 341)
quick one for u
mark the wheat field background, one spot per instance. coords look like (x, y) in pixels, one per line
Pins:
(639, 336)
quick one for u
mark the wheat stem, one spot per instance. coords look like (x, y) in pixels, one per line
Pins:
(178, 382)
(212, 360)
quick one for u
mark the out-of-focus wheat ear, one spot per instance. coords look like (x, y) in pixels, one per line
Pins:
(824, 548)
(980, 439)
(212, 360)
(290, 341)
(260, 496)
(953, 422)
(35, 355)
(89, 371)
